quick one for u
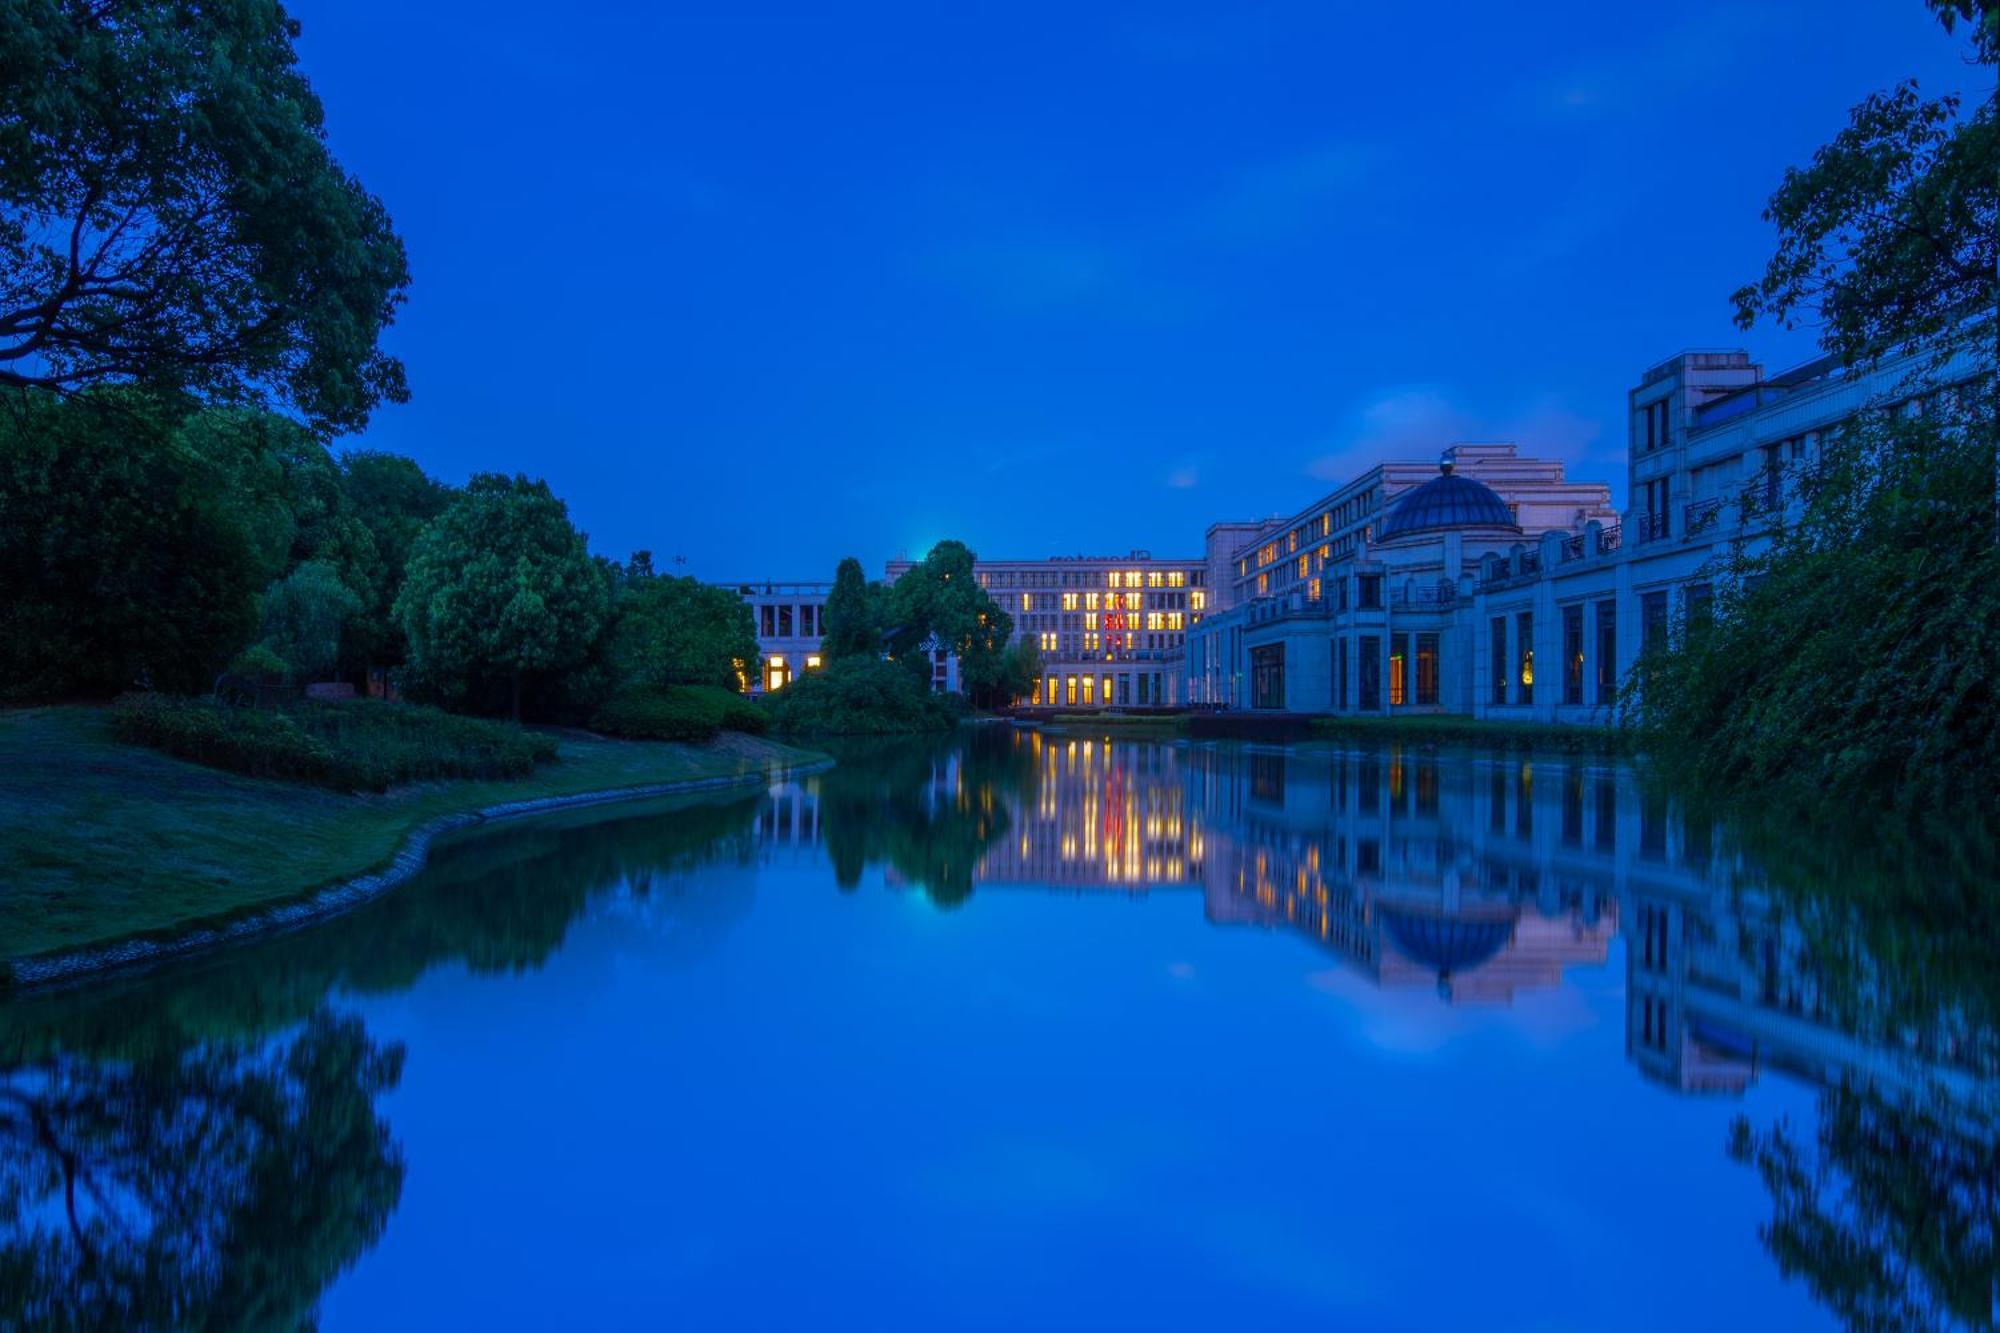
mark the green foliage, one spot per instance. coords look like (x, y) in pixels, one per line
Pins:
(499, 585)
(361, 746)
(859, 696)
(680, 631)
(304, 613)
(126, 552)
(1853, 660)
(852, 627)
(170, 214)
(657, 716)
(679, 713)
(392, 499)
(1020, 671)
(939, 600)
(1890, 241)
(259, 663)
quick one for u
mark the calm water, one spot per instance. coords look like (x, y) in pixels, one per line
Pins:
(1030, 1031)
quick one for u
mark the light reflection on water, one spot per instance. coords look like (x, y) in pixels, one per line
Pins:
(1082, 1032)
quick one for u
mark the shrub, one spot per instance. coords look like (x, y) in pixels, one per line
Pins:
(680, 713)
(854, 696)
(733, 711)
(653, 716)
(259, 663)
(363, 746)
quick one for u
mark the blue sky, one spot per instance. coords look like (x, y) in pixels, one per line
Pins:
(766, 285)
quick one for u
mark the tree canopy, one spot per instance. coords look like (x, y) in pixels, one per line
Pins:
(170, 214)
(939, 600)
(680, 631)
(500, 585)
(852, 626)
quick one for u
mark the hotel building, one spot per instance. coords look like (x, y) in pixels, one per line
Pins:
(1350, 604)
(1390, 596)
(1109, 629)
(790, 622)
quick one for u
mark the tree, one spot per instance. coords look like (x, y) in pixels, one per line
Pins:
(1020, 669)
(851, 627)
(304, 613)
(680, 631)
(939, 601)
(1890, 239)
(391, 498)
(499, 585)
(130, 550)
(170, 214)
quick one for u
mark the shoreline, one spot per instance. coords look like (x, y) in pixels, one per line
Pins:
(139, 952)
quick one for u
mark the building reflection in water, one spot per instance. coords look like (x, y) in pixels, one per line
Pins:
(1480, 876)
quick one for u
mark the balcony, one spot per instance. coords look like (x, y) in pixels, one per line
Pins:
(1652, 527)
(1700, 517)
(1424, 596)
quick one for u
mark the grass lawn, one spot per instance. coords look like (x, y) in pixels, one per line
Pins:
(100, 840)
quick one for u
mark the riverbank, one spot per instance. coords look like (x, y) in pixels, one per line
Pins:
(1442, 729)
(103, 843)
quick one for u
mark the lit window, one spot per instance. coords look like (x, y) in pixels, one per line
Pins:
(812, 661)
(1176, 579)
(1111, 580)
(1027, 602)
(1090, 601)
(1069, 601)
(1198, 599)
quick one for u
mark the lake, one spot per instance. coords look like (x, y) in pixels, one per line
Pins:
(1027, 1030)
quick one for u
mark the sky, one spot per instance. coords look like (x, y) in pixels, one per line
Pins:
(760, 286)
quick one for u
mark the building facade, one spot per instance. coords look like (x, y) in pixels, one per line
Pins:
(790, 622)
(1394, 596)
(1352, 604)
(1109, 629)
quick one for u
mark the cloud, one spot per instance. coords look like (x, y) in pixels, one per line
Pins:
(1419, 422)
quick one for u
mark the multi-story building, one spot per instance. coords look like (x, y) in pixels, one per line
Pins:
(1713, 463)
(1349, 605)
(790, 620)
(1109, 628)
(1392, 597)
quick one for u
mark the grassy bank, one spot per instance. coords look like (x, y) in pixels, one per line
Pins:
(1445, 730)
(1119, 724)
(100, 840)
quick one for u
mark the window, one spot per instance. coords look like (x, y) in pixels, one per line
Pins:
(1340, 674)
(1653, 523)
(1573, 654)
(767, 620)
(1089, 691)
(776, 674)
(1399, 670)
(1499, 632)
(1699, 603)
(1652, 621)
(812, 661)
(1652, 428)
(1267, 676)
(1371, 592)
(1607, 651)
(1069, 601)
(785, 621)
(1069, 690)
(1368, 652)
(1524, 652)
(1427, 670)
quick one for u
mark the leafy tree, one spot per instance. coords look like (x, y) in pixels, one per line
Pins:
(304, 613)
(1890, 240)
(129, 550)
(1020, 669)
(1853, 658)
(499, 586)
(680, 631)
(852, 629)
(939, 601)
(170, 214)
(391, 498)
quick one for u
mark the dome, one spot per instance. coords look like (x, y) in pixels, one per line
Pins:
(1445, 501)
(1446, 944)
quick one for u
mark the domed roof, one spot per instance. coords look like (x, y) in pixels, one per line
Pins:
(1445, 501)
(1446, 944)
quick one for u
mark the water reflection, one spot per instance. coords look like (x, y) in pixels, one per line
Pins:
(206, 1147)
